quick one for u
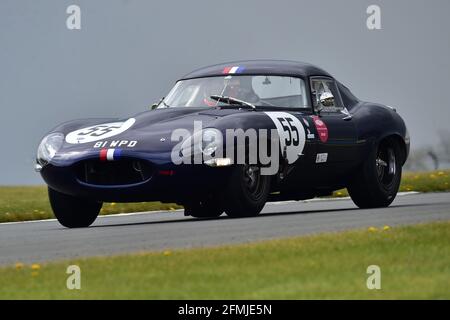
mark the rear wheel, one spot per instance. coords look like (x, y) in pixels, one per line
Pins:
(73, 212)
(247, 191)
(377, 183)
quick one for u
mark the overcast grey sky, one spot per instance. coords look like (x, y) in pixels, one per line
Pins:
(128, 53)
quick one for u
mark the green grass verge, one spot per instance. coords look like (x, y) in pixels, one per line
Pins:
(31, 203)
(431, 181)
(414, 262)
(23, 203)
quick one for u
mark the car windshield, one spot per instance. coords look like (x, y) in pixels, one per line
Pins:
(257, 90)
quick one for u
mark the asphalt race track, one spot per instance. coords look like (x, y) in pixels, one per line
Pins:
(47, 240)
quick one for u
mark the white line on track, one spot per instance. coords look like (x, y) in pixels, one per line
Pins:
(179, 210)
(336, 198)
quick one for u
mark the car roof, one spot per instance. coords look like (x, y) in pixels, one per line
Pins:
(264, 67)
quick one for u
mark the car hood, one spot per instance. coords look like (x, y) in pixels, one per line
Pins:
(150, 132)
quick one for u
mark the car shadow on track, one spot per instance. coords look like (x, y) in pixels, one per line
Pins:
(261, 216)
(222, 217)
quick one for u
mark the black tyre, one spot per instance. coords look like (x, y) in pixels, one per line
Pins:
(210, 207)
(247, 192)
(73, 212)
(377, 182)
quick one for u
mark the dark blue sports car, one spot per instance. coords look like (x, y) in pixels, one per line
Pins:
(228, 138)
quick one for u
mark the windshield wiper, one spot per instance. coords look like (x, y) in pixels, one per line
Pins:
(231, 100)
(165, 104)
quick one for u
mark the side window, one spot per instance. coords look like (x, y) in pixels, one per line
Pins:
(320, 86)
(288, 92)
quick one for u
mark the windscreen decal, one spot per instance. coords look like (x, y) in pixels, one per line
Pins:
(233, 69)
(99, 132)
(291, 134)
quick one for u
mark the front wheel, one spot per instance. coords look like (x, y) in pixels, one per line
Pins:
(210, 207)
(73, 212)
(247, 191)
(378, 181)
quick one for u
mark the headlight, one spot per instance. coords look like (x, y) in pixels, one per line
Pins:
(206, 142)
(212, 139)
(48, 147)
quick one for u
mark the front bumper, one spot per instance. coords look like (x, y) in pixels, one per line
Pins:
(166, 182)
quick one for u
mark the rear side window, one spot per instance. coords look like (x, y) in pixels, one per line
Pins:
(348, 98)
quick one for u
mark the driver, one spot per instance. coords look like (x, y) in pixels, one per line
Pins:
(241, 88)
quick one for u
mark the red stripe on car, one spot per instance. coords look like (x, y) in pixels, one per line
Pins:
(103, 153)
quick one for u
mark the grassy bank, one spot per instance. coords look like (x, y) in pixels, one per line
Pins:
(414, 263)
(431, 181)
(24, 203)
(31, 203)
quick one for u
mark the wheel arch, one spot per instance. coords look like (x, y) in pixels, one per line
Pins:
(399, 141)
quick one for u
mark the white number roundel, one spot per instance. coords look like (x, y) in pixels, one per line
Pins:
(291, 133)
(99, 132)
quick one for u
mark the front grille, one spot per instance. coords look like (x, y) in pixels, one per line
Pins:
(122, 172)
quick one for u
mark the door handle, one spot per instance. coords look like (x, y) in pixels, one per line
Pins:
(347, 114)
(347, 118)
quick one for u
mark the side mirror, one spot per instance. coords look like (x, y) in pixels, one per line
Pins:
(156, 104)
(326, 99)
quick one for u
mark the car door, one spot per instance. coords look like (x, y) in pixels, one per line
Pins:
(336, 133)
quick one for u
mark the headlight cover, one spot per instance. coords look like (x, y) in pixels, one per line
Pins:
(206, 142)
(48, 147)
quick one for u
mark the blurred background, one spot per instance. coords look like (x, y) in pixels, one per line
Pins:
(128, 53)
